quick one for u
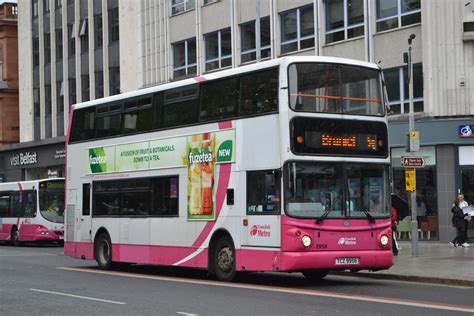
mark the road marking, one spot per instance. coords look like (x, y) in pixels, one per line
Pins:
(78, 296)
(383, 300)
(29, 255)
(188, 314)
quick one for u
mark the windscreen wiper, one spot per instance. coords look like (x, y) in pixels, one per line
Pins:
(322, 217)
(370, 217)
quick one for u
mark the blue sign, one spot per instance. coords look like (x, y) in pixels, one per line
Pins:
(466, 131)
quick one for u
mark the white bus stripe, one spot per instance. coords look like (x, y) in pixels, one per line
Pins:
(78, 296)
(346, 296)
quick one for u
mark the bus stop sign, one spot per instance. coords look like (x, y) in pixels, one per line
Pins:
(413, 162)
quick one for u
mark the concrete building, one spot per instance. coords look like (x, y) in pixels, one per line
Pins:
(9, 126)
(150, 42)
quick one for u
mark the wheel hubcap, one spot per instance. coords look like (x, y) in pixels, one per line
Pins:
(105, 253)
(225, 260)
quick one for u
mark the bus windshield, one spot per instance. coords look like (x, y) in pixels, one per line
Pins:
(335, 88)
(336, 190)
(51, 201)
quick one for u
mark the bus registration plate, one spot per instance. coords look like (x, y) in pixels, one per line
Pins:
(347, 261)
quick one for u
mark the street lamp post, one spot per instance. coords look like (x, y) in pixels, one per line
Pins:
(411, 127)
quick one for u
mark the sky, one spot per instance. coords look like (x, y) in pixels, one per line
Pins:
(2, 1)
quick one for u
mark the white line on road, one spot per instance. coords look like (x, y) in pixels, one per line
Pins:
(78, 296)
(30, 255)
(383, 300)
(187, 314)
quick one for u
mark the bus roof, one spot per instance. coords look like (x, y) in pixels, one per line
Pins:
(226, 73)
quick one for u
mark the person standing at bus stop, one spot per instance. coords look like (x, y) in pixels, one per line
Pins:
(394, 232)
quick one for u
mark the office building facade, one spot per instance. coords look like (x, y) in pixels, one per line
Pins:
(163, 40)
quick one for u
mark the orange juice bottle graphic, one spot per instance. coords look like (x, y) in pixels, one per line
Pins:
(206, 174)
(195, 177)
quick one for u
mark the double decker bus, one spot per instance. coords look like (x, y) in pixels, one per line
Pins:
(32, 211)
(278, 166)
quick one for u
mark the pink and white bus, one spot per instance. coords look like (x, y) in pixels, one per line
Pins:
(32, 211)
(281, 165)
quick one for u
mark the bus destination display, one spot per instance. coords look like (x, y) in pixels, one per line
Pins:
(324, 136)
(349, 141)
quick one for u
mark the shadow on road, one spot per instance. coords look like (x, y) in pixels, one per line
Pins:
(274, 279)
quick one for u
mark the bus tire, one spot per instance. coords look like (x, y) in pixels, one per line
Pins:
(15, 237)
(315, 275)
(103, 251)
(224, 259)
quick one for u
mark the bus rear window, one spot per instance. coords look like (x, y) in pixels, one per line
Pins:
(335, 88)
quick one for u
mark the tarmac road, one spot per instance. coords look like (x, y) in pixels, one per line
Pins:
(40, 280)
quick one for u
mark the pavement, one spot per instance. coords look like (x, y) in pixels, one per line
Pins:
(436, 263)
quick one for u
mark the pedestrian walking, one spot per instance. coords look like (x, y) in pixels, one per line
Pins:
(458, 222)
(394, 232)
(462, 204)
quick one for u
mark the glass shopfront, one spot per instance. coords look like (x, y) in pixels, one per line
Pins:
(426, 193)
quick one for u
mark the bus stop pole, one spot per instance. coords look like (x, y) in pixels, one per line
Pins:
(411, 124)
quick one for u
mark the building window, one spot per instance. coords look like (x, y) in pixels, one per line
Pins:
(58, 4)
(209, 1)
(47, 48)
(72, 91)
(59, 96)
(397, 13)
(59, 44)
(218, 49)
(184, 58)
(113, 25)
(114, 79)
(297, 29)
(35, 51)
(98, 39)
(72, 39)
(248, 44)
(47, 100)
(426, 197)
(178, 6)
(344, 19)
(46, 6)
(36, 102)
(34, 9)
(99, 84)
(396, 80)
(85, 88)
(84, 36)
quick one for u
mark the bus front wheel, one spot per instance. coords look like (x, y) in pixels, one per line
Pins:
(15, 237)
(315, 275)
(224, 259)
(103, 252)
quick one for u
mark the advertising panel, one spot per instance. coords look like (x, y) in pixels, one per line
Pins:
(199, 153)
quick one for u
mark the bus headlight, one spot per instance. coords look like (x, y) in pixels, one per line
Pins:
(306, 241)
(384, 240)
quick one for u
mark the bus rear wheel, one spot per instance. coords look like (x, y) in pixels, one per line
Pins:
(224, 259)
(103, 251)
(315, 275)
(15, 237)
